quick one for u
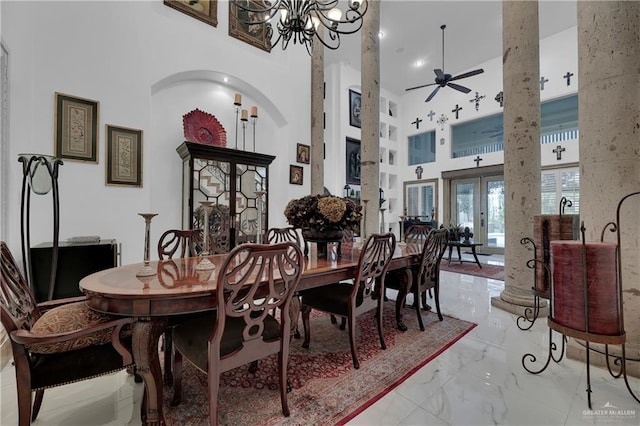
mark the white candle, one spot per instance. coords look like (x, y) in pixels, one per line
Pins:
(244, 115)
(254, 111)
(237, 99)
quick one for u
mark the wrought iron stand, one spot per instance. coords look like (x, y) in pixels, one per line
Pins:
(619, 361)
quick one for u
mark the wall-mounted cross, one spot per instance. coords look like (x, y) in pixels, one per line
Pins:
(417, 122)
(567, 77)
(558, 151)
(419, 172)
(430, 115)
(542, 82)
(500, 98)
(442, 120)
(477, 100)
(477, 160)
(457, 109)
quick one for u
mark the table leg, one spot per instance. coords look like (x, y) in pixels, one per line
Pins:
(450, 250)
(407, 280)
(459, 255)
(146, 333)
(475, 256)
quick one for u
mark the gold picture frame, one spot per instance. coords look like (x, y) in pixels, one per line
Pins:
(303, 153)
(296, 175)
(124, 156)
(76, 128)
(256, 35)
(203, 10)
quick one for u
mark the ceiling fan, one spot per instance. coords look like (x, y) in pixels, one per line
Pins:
(443, 79)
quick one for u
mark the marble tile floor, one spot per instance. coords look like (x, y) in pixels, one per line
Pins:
(477, 381)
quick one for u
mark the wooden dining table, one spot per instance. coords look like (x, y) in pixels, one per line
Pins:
(179, 288)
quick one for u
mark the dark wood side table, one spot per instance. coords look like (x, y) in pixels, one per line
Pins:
(471, 245)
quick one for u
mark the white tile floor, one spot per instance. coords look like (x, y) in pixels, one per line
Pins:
(479, 380)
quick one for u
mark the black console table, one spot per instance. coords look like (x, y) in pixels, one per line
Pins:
(75, 261)
(458, 244)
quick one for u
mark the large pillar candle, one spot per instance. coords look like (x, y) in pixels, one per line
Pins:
(568, 307)
(547, 228)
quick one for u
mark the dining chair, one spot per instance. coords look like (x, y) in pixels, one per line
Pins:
(184, 243)
(417, 234)
(348, 300)
(280, 235)
(57, 342)
(426, 275)
(254, 280)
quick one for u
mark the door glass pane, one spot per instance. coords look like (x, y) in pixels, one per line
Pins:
(495, 213)
(412, 201)
(426, 198)
(464, 205)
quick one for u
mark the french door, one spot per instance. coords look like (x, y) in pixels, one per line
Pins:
(478, 203)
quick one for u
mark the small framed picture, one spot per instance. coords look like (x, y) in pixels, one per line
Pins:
(257, 35)
(76, 128)
(302, 153)
(355, 107)
(124, 156)
(296, 176)
(203, 10)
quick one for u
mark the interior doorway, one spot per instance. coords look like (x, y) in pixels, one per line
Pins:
(478, 203)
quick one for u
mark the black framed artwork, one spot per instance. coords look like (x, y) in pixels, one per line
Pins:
(296, 176)
(353, 161)
(355, 107)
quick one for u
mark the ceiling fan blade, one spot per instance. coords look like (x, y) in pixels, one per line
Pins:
(467, 74)
(439, 74)
(419, 87)
(433, 93)
(459, 88)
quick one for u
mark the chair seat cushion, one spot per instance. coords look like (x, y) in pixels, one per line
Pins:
(71, 317)
(333, 298)
(191, 338)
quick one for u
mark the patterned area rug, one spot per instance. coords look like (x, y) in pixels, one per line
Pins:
(488, 271)
(326, 387)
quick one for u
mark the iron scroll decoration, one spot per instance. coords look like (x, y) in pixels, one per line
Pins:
(300, 20)
(40, 175)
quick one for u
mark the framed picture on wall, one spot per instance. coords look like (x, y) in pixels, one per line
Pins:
(296, 176)
(124, 156)
(76, 128)
(302, 153)
(352, 161)
(254, 34)
(355, 107)
(203, 10)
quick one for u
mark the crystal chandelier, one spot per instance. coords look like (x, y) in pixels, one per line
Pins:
(299, 20)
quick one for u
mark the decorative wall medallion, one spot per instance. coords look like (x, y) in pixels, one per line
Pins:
(442, 121)
(204, 128)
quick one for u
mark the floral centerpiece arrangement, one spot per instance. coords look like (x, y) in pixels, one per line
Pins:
(324, 213)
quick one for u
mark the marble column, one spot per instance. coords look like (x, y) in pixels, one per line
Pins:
(370, 117)
(521, 74)
(609, 117)
(317, 117)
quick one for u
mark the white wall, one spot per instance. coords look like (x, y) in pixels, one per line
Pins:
(558, 54)
(147, 65)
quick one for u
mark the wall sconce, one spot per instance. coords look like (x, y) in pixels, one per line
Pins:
(382, 200)
(441, 141)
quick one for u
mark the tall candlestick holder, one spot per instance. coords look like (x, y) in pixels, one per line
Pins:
(205, 264)
(382, 220)
(260, 211)
(236, 107)
(254, 119)
(146, 270)
(363, 229)
(244, 119)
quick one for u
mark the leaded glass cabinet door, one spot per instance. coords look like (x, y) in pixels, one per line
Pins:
(237, 184)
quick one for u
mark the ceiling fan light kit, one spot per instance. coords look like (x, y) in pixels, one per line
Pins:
(443, 79)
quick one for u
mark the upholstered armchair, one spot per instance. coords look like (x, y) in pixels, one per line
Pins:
(57, 342)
